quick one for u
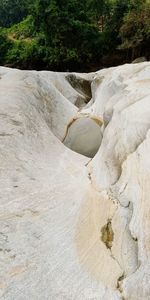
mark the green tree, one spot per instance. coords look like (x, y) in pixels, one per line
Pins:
(135, 30)
(73, 34)
(71, 37)
(119, 9)
(4, 46)
(12, 12)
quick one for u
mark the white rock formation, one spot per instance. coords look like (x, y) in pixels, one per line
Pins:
(72, 226)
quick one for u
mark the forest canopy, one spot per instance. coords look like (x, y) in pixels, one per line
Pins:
(74, 35)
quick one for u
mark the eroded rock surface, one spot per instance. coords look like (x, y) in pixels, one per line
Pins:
(75, 184)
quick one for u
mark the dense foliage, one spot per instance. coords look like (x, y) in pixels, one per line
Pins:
(73, 34)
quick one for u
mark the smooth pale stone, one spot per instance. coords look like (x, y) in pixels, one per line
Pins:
(84, 136)
(72, 227)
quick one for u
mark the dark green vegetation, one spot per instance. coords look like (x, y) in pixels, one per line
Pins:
(74, 35)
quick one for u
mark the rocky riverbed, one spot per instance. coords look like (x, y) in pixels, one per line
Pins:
(75, 184)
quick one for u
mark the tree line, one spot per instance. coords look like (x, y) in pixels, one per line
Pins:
(74, 35)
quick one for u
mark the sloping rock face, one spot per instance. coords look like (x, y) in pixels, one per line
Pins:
(75, 184)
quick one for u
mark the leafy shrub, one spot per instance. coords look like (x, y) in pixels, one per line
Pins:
(4, 46)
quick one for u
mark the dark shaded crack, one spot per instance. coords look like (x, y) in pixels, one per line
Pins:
(5, 134)
(119, 282)
(5, 250)
(107, 234)
(82, 86)
(134, 238)
(119, 285)
(90, 177)
(107, 237)
(68, 126)
(86, 165)
(91, 180)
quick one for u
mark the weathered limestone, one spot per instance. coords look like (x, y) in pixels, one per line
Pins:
(75, 226)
